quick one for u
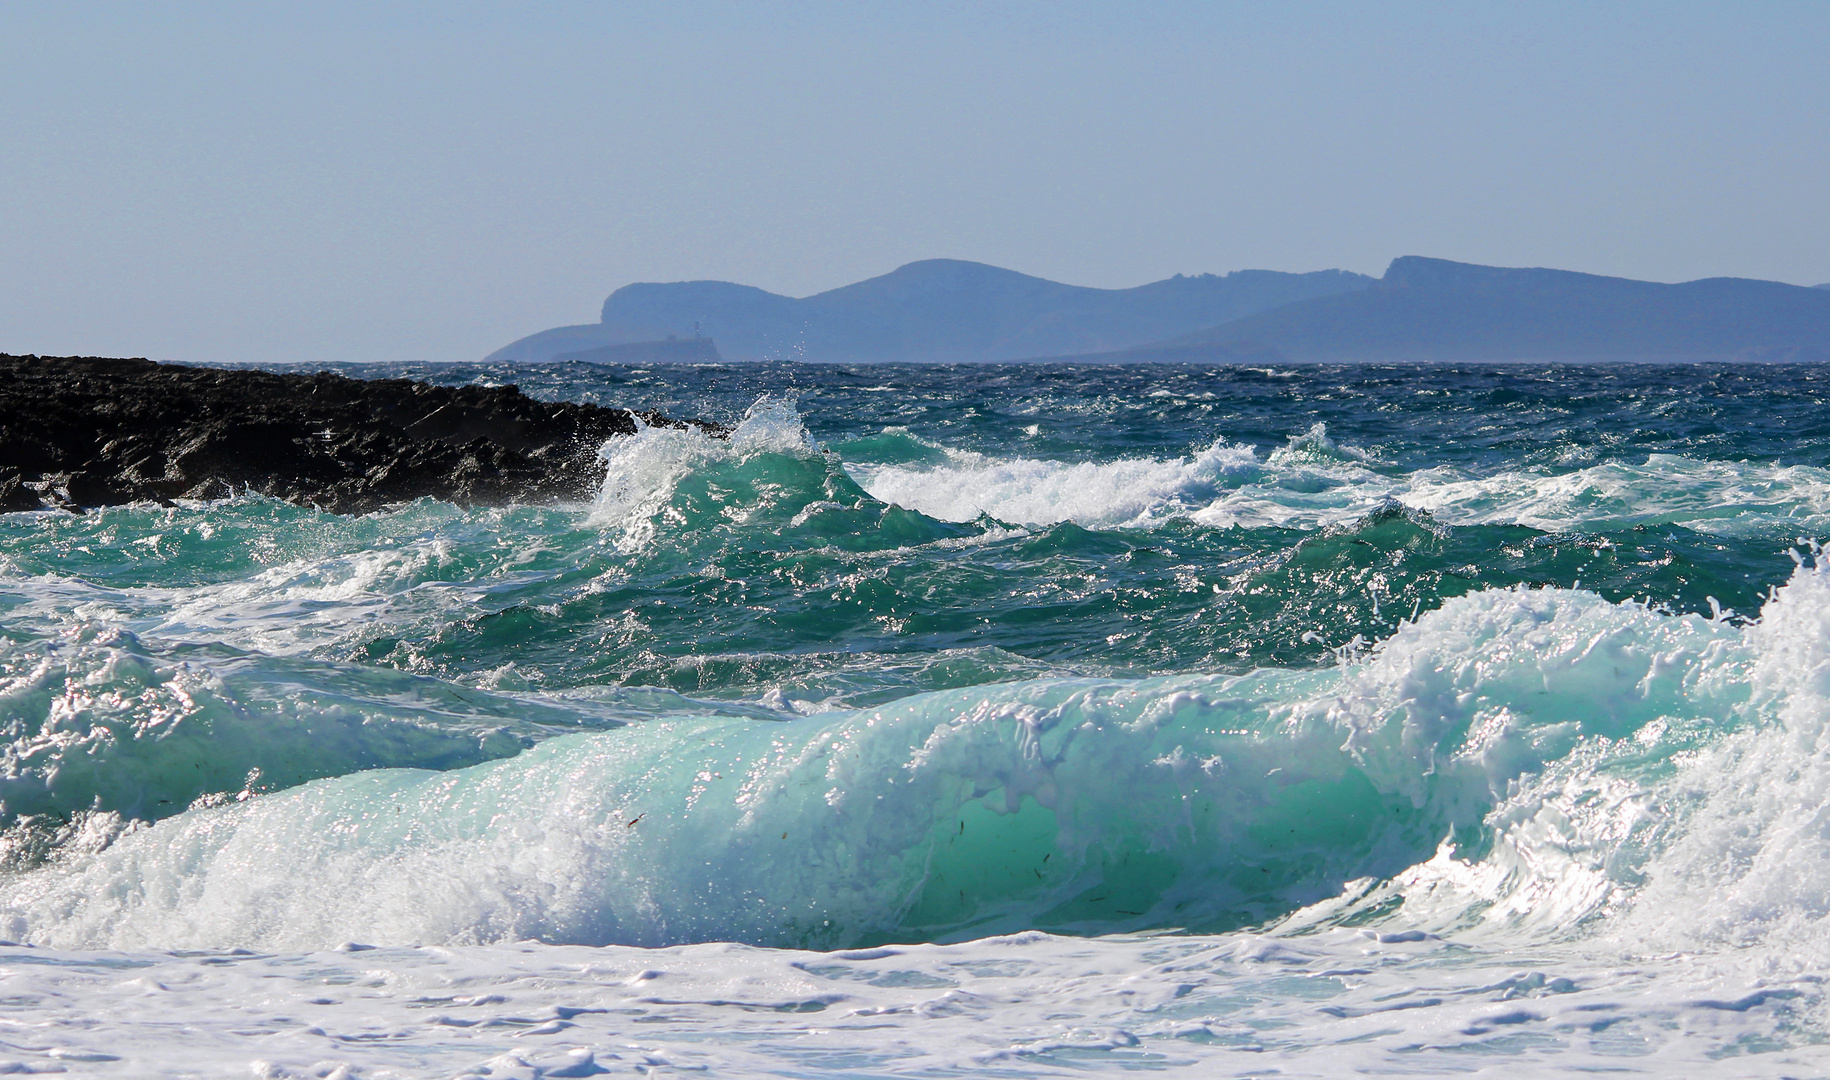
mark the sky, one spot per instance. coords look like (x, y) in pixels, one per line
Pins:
(375, 181)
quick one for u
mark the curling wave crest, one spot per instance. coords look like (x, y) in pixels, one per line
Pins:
(1527, 761)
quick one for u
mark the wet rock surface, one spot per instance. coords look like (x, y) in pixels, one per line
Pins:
(78, 432)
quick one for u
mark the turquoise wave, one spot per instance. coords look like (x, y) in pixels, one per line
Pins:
(889, 689)
(1194, 801)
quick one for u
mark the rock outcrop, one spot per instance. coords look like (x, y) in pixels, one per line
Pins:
(79, 432)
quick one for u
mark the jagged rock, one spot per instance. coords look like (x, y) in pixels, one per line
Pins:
(84, 431)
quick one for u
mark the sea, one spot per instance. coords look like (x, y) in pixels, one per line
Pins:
(1024, 720)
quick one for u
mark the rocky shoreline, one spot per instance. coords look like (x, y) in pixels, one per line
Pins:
(81, 432)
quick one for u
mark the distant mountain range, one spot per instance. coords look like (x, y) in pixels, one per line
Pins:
(1431, 309)
(939, 309)
(1422, 309)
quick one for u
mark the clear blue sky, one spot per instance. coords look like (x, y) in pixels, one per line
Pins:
(370, 181)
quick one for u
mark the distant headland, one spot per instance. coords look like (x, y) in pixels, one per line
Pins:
(940, 310)
(949, 311)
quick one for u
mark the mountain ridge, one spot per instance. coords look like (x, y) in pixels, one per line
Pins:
(1435, 309)
(935, 309)
(949, 310)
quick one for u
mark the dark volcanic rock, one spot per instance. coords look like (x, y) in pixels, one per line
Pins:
(82, 431)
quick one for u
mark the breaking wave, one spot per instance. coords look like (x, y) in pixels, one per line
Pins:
(1314, 482)
(1542, 761)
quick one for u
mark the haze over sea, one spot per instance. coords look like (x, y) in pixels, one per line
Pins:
(1015, 720)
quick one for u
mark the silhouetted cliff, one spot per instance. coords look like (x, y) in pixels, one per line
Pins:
(937, 310)
(1432, 309)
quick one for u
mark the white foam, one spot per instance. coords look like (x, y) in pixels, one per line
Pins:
(1709, 496)
(838, 827)
(1644, 783)
(1027, 491)
(100, 721)
(412, 566)
(1748, 862)
(1313, 482)
(640, 471)
(1333, 1003)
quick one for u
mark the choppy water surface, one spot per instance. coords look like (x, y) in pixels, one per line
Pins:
(980, 720)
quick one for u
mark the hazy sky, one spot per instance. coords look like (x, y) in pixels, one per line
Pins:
(369, 181)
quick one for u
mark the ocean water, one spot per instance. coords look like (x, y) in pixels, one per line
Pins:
(1013, 721)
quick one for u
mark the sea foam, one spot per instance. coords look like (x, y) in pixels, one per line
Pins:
(1027, 491)
(1313, 482)
(1203, 801)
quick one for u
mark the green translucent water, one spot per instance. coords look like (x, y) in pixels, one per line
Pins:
(877, 556)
